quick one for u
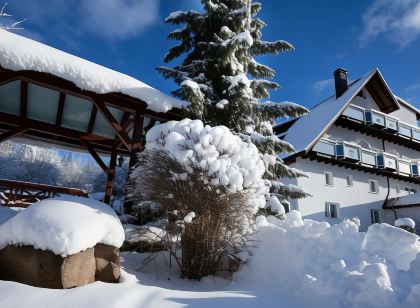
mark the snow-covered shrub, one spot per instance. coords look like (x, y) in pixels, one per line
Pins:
(406, 224)
(189, 168)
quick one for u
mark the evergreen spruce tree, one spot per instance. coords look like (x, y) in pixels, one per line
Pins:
(225, 84)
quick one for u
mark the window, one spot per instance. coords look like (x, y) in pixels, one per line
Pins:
(375, 215)
(329, 179)
(349, 180)
(331, 209)
(398, 188)
(410, 191)
(373, 186)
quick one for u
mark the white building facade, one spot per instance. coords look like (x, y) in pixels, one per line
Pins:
(359, 149)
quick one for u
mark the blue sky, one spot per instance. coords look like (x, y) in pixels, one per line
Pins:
(130, 36)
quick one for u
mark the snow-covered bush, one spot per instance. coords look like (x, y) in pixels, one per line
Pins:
(189, 168)
(406, 224)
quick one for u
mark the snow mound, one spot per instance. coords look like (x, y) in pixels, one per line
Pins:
(405, 222)
(313, 264)
(64, 225)
(6, 213)
(396, 245)
(18, 53)
(225, 158)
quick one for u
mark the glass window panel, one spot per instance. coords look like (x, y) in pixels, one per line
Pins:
(102, 127)
(76, 113)
(405, 131)
(325, 147)
(351, 152)
(355, 113)
(42, 103)
(10, 98)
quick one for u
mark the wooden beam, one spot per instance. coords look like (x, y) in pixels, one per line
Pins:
(7, 77)
(95, 155)
(60, 110)
(12, 133)
(111, 176)
(23, 99)
(92, 119)
(114, 124)
(137, 145)
(60, 134)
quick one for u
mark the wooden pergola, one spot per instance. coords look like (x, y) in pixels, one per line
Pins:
(45, 107)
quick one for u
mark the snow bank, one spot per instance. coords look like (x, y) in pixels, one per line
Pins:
(295, 263)
(226, 159)
(18, 53)
(317, 264)
(394, 244)
(405, 222)
(65, 226)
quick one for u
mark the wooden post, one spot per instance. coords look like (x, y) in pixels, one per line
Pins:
(137, 144)
(111, 176)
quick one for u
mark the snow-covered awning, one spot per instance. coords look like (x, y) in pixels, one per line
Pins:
(412, 200)
(18, 53)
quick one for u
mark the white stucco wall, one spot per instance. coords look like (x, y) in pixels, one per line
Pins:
(405, 115)
(354, 200)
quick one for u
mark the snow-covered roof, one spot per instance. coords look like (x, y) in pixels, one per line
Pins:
(308, 128)
(20, 53)
(409, 200)
(64, 225)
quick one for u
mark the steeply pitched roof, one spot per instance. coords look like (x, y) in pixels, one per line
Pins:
(18, 53)
(308, 129)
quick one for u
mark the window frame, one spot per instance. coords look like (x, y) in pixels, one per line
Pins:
(326, 174)
(372, 216)
(376, 185)
(349, 180)
(328, 212)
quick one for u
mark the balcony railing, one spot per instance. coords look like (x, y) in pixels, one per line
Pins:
(381, 125)
(353, 153)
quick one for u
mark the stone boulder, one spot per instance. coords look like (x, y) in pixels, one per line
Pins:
(40, 268)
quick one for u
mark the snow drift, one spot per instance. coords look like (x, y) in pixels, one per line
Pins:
(338, 266)
(64, 225)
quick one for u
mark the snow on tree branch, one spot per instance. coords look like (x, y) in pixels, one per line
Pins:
(12, 26)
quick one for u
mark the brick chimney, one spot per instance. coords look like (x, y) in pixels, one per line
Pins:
(340, 78)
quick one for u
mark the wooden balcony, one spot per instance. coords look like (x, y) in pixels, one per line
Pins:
(331, 160)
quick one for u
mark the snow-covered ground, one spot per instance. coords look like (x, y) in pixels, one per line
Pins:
(295, 264)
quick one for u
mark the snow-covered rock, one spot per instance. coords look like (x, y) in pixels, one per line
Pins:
(64, 225)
